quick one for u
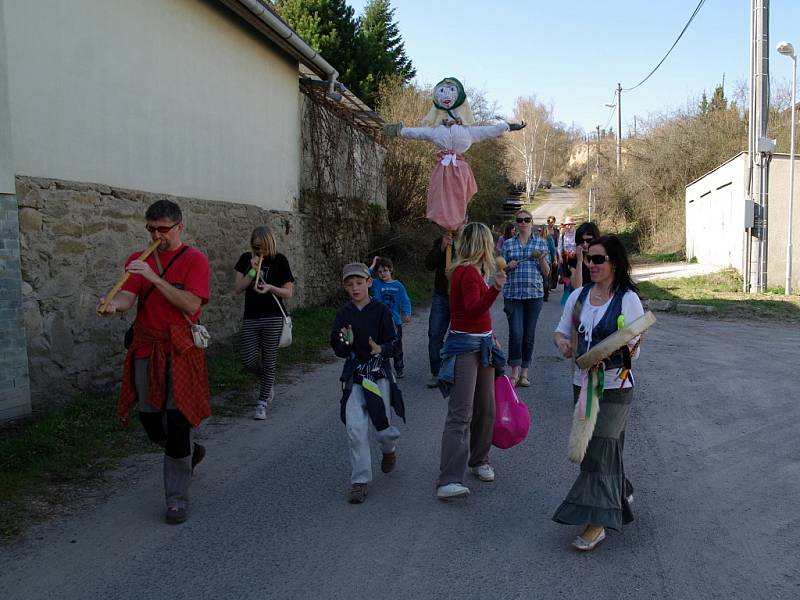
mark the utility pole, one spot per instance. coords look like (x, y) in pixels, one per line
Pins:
(587, 157)
(619, 127)
(760, 147)
(597, 154)
(787, 49)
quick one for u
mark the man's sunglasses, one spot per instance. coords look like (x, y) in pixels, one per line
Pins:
(161, 228)
(524, 219)
(597, 259)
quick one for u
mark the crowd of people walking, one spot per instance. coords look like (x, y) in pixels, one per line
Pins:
(165, 377)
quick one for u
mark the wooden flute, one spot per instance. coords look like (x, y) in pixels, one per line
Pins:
(110, 296)
(258, 272)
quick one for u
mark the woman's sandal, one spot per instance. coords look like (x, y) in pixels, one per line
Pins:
(585, 546)
(523, 381)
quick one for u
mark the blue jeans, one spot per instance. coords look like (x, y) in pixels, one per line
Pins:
(522, 317)
(438, 323)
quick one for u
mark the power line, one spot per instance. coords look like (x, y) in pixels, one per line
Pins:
(685, 27)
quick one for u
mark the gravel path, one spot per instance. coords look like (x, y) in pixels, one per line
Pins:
(711, 449)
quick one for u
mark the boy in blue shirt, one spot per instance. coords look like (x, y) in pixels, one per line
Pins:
(386, 289)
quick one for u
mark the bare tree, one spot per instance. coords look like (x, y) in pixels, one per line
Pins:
(529, 147)
(408, 163)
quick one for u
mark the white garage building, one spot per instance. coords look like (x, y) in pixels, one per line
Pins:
(718, 215)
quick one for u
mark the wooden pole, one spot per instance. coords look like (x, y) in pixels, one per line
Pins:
(117, 286)
(448, 253)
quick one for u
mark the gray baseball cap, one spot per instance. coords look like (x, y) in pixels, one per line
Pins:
(357, 269)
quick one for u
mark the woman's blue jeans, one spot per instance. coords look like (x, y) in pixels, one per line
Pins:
(522, 317)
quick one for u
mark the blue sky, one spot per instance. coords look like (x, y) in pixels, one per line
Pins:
(572, 53)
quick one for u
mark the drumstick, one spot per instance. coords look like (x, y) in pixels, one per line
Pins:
(258, 272)
(110, 296)
(532, 255)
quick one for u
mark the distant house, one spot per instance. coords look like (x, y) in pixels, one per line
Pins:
(106, 107)
(718, 216)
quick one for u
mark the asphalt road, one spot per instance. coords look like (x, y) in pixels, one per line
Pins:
(711, 448)
(558, 201)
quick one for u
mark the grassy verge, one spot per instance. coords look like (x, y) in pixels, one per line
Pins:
(657, 257)
(83, 437)
(57, 444)
(310, 330)
(419, 285)
(723, 291)
(226, 375)
(72, 443)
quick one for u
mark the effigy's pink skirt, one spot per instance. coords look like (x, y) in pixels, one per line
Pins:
(450, 191)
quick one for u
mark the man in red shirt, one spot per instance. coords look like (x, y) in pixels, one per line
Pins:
(165, 374)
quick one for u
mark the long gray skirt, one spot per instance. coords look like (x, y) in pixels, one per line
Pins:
(599, 494)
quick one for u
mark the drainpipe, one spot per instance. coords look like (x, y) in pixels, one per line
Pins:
(294, 40)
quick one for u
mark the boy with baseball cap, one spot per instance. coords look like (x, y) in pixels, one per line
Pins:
(363, 334)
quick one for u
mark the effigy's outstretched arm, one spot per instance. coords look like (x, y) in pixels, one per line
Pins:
(426, 134)
(485, 132)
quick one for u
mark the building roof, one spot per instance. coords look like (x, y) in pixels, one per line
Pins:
(313, 80)
(719, 166)
(350, 108)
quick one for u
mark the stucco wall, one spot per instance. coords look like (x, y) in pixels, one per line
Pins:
(778, 221)
(166, 96)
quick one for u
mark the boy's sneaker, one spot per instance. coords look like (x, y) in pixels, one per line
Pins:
(358, 493)
(261, 412)
(452, 490)
(388, 462)
(433, 382)
(484, 472)
(177, 514)
(399, 373)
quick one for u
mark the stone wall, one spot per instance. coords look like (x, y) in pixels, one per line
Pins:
(75, 238)
(14, 382)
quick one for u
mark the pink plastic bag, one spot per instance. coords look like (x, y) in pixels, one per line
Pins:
(512, 419)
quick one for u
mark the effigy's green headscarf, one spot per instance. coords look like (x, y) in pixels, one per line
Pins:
(449, 102)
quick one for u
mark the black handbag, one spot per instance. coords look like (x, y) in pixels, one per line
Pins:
(127, 340)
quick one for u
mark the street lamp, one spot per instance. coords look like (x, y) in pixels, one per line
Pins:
(787, 49)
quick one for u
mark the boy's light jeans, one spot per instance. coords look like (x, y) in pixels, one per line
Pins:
(358, 424)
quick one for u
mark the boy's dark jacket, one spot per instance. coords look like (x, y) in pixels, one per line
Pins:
(375, 321)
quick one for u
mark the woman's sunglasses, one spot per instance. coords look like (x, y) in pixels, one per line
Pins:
(161, 228)
(587, 240)
(597, 259)
(524, 219)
